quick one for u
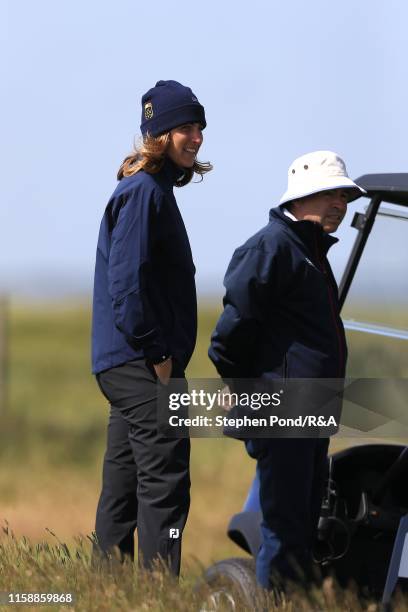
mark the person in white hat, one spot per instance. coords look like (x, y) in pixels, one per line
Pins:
(319, 189)
(280, 321)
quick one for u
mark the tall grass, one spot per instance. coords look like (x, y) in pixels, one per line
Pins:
(55, 568)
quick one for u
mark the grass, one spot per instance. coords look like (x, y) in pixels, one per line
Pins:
(45, 567)
(51, 448)
(56, 568)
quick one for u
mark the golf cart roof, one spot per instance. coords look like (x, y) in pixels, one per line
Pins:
(391, 188)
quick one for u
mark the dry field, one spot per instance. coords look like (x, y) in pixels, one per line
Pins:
(51, 447)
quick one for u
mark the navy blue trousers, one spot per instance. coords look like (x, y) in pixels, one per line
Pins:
(292, 474)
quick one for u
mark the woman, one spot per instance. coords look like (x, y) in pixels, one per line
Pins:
(144, 329)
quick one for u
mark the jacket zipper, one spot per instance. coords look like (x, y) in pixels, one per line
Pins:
(285, 366)
(332, 307)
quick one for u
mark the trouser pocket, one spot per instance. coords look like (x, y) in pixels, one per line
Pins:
(128, 385)
(98, 382)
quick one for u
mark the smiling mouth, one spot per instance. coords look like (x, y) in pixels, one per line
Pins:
(191, 151)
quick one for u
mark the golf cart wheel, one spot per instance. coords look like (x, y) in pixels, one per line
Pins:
(232, 585)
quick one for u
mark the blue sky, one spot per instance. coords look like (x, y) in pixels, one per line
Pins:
(277, 79)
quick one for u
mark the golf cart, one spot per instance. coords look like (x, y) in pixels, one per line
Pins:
(363, 527)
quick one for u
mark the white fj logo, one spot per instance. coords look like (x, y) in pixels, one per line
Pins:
(174, 533)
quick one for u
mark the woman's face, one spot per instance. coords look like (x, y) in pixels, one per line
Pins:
(185, 141)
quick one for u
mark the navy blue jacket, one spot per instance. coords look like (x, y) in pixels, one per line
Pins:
(144, 302)
(281, 311)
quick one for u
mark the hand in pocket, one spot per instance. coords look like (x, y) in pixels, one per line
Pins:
(163, 371)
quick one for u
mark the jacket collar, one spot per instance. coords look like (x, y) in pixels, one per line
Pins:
(170, 172)
(307, 231)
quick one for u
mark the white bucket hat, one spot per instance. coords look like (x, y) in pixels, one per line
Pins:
(318, 171)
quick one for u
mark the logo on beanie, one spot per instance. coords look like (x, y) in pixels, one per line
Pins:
(148, 110)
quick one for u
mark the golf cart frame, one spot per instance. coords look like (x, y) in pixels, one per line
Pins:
(379, 468)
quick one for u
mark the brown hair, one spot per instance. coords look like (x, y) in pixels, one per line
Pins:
(149, 156)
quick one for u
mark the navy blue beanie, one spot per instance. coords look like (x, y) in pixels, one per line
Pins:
(168, 105)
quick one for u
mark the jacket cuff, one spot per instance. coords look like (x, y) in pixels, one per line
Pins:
(156, 353)
(152, 344)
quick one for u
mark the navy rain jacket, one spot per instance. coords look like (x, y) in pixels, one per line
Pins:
(144, 302)
(281, 312)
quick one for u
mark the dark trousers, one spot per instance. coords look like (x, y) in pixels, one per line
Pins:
(292, 473)
(146, 481)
